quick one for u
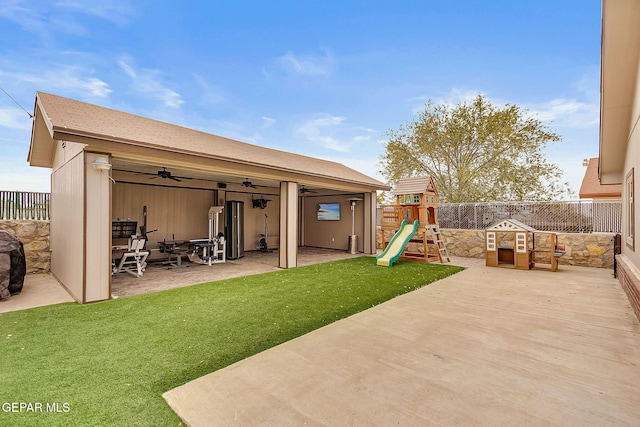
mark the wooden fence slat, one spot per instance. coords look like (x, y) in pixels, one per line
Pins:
(24, 205)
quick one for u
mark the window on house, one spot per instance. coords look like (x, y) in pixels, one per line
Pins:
(630, 207)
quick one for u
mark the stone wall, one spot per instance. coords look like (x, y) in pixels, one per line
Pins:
(34, 235)
(585, 250)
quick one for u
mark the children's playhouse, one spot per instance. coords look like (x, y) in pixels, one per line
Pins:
(416, 200)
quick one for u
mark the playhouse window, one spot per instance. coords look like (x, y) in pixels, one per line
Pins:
(491, 241)
(416, 199)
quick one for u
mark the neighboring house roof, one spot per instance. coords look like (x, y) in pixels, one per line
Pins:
(510, 225)
(618, 70)
(417, 185)
(58, 118)
(591, 187)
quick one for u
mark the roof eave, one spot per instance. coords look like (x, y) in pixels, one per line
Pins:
(620, 42)
(101, 142)
(42, 144)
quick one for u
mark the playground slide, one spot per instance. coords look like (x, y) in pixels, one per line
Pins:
(398, 242)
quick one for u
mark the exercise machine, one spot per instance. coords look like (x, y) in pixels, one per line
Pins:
(264, 247)
(173, 248)
(213, 249)
(134, 258)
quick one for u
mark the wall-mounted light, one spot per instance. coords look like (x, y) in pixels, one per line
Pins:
(101, 163)
(585, 162)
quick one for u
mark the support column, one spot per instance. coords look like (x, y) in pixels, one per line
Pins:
(97, 234)
(370, 213)
(288, 250)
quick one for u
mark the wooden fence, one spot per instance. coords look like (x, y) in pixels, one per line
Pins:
(22, 205)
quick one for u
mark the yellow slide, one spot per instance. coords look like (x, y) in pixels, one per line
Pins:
(398, 242)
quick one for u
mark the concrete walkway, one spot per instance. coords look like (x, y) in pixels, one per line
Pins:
(38, 290)
(485, 347)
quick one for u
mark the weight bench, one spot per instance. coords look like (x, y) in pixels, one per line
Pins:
(134, 259)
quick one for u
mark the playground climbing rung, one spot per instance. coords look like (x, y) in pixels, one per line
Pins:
(439, 242)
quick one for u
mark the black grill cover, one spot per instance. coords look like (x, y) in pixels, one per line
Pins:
(13, 265)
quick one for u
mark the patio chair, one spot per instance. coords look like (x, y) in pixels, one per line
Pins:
(134, 259)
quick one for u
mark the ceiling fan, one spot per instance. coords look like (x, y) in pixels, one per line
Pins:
(305, 190)
(248, 183)
(164, 174)
(259, 203)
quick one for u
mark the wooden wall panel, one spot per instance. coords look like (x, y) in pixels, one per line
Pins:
(179, 212)
(67, 226)
(97, 232)
(254, 220)
(332, 234)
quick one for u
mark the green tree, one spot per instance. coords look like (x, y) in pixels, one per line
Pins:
(475, 152)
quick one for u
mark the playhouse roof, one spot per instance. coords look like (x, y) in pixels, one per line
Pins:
(416, 185)
(510, 225)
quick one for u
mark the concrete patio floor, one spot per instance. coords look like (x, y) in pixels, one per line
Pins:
(158, 277)
(485, 347)
(44, 289)
(38, 290)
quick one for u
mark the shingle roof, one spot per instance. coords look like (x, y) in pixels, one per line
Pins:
(417, 185)
(71, 118)
(591, 187)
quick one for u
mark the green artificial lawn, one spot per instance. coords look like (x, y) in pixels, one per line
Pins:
(108, 363)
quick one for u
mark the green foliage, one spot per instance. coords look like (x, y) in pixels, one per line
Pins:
(111, 361)
(475, 152)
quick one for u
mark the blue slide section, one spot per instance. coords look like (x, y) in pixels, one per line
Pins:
(398, 242)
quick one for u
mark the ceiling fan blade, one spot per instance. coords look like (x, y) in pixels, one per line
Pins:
(174, 178)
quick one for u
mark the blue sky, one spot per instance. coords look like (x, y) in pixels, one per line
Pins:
(325, 78)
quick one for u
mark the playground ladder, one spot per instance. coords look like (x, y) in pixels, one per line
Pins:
(443, 254)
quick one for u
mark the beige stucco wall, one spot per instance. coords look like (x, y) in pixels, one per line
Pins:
(632, 162)
(586, 250)
(34, 235)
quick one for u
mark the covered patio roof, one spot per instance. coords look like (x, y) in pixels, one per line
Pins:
(136, 142)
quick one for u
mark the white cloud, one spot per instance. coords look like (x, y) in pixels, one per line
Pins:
(67, 17)
(267, 122)
(117, 12)
(314, 130)
(451, 99)
(307, 65)
(23, 13)
(26, 178)
(64, 79)
(567, 112)
(209, 94)
(368, 166)
(148, 82)
(457, 96)
(14, 118)
(333, 132)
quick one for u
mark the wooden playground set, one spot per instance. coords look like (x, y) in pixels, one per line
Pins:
(412, 219)
(410, 231)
